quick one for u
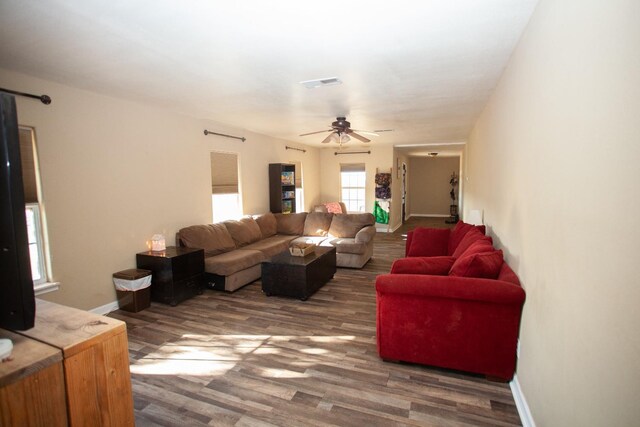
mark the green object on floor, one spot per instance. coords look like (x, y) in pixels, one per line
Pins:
(382, 216)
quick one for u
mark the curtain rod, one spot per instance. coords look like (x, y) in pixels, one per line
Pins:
(353, 152)
(45, 99)
(286, 147)
(208, 132)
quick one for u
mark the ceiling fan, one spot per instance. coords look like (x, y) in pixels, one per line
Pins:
(341, 132)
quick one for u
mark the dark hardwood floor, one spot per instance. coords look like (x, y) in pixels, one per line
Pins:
(244, 359)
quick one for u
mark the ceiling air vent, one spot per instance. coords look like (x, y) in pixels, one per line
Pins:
(329, 81)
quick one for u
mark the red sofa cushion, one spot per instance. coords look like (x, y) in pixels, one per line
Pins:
(472, 237)
(458, 233)
(429, 242)
(435, 265)
(478, 247)
(485, 265)
(508, 275)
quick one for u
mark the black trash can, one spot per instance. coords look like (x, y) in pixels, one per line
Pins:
(133, 288)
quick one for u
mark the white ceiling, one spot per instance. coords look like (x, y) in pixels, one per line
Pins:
(423, 68)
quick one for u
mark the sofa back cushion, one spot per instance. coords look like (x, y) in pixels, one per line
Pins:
(478, 247)
(267, 223)
(508, 275)
(486, 265)
(472, 237)
(458, 233)
(317, 224)
(213, 238)
(429, 242)
(348, 225)
(291, 224)
(244, 231)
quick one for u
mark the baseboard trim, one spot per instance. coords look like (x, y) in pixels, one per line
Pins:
(105, 309)
(521, 403)
(385, 228)
(429, 215)
(382, 228)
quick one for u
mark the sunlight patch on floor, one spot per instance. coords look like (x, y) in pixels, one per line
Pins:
(213, 355)
(181, 367)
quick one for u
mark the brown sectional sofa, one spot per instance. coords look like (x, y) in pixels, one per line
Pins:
(234, 250)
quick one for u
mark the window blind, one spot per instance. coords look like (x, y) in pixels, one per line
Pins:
(352, 167)
(224, 173)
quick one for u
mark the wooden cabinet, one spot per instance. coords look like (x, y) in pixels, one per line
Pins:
(176, 273)
(96, 381)
(282, 188)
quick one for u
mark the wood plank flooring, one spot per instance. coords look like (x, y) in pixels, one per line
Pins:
(244, 359)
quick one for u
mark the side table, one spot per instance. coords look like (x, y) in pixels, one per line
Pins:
(176, 273)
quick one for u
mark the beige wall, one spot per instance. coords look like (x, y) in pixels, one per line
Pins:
(554, 163)
(115, 172)
(429, 184)
(381, 159)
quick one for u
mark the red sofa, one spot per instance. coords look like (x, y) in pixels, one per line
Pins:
(452, 302)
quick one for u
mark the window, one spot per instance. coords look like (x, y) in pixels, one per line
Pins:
(36, 252)
(225, 196)
(33, 207)
(352, 182)
(299, 192)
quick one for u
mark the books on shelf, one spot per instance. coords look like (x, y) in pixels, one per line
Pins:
(286, 178)
(287, 206)
(288, 194)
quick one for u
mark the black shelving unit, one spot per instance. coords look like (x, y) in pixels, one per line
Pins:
(282, 188)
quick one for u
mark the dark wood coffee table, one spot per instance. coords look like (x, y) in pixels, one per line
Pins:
(296, 276)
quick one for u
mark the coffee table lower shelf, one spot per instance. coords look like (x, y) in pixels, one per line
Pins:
(298, 277)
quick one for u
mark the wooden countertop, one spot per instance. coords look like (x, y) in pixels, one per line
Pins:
(69, 329)
(28, 356)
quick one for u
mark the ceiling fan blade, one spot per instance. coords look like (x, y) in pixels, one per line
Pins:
(367, 132)
(383, 130)
(359, 137)
(328, 139)
(313, 133)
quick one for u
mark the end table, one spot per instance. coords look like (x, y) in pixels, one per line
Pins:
(176, 273)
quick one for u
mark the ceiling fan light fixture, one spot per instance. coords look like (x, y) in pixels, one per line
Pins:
(341, 132)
